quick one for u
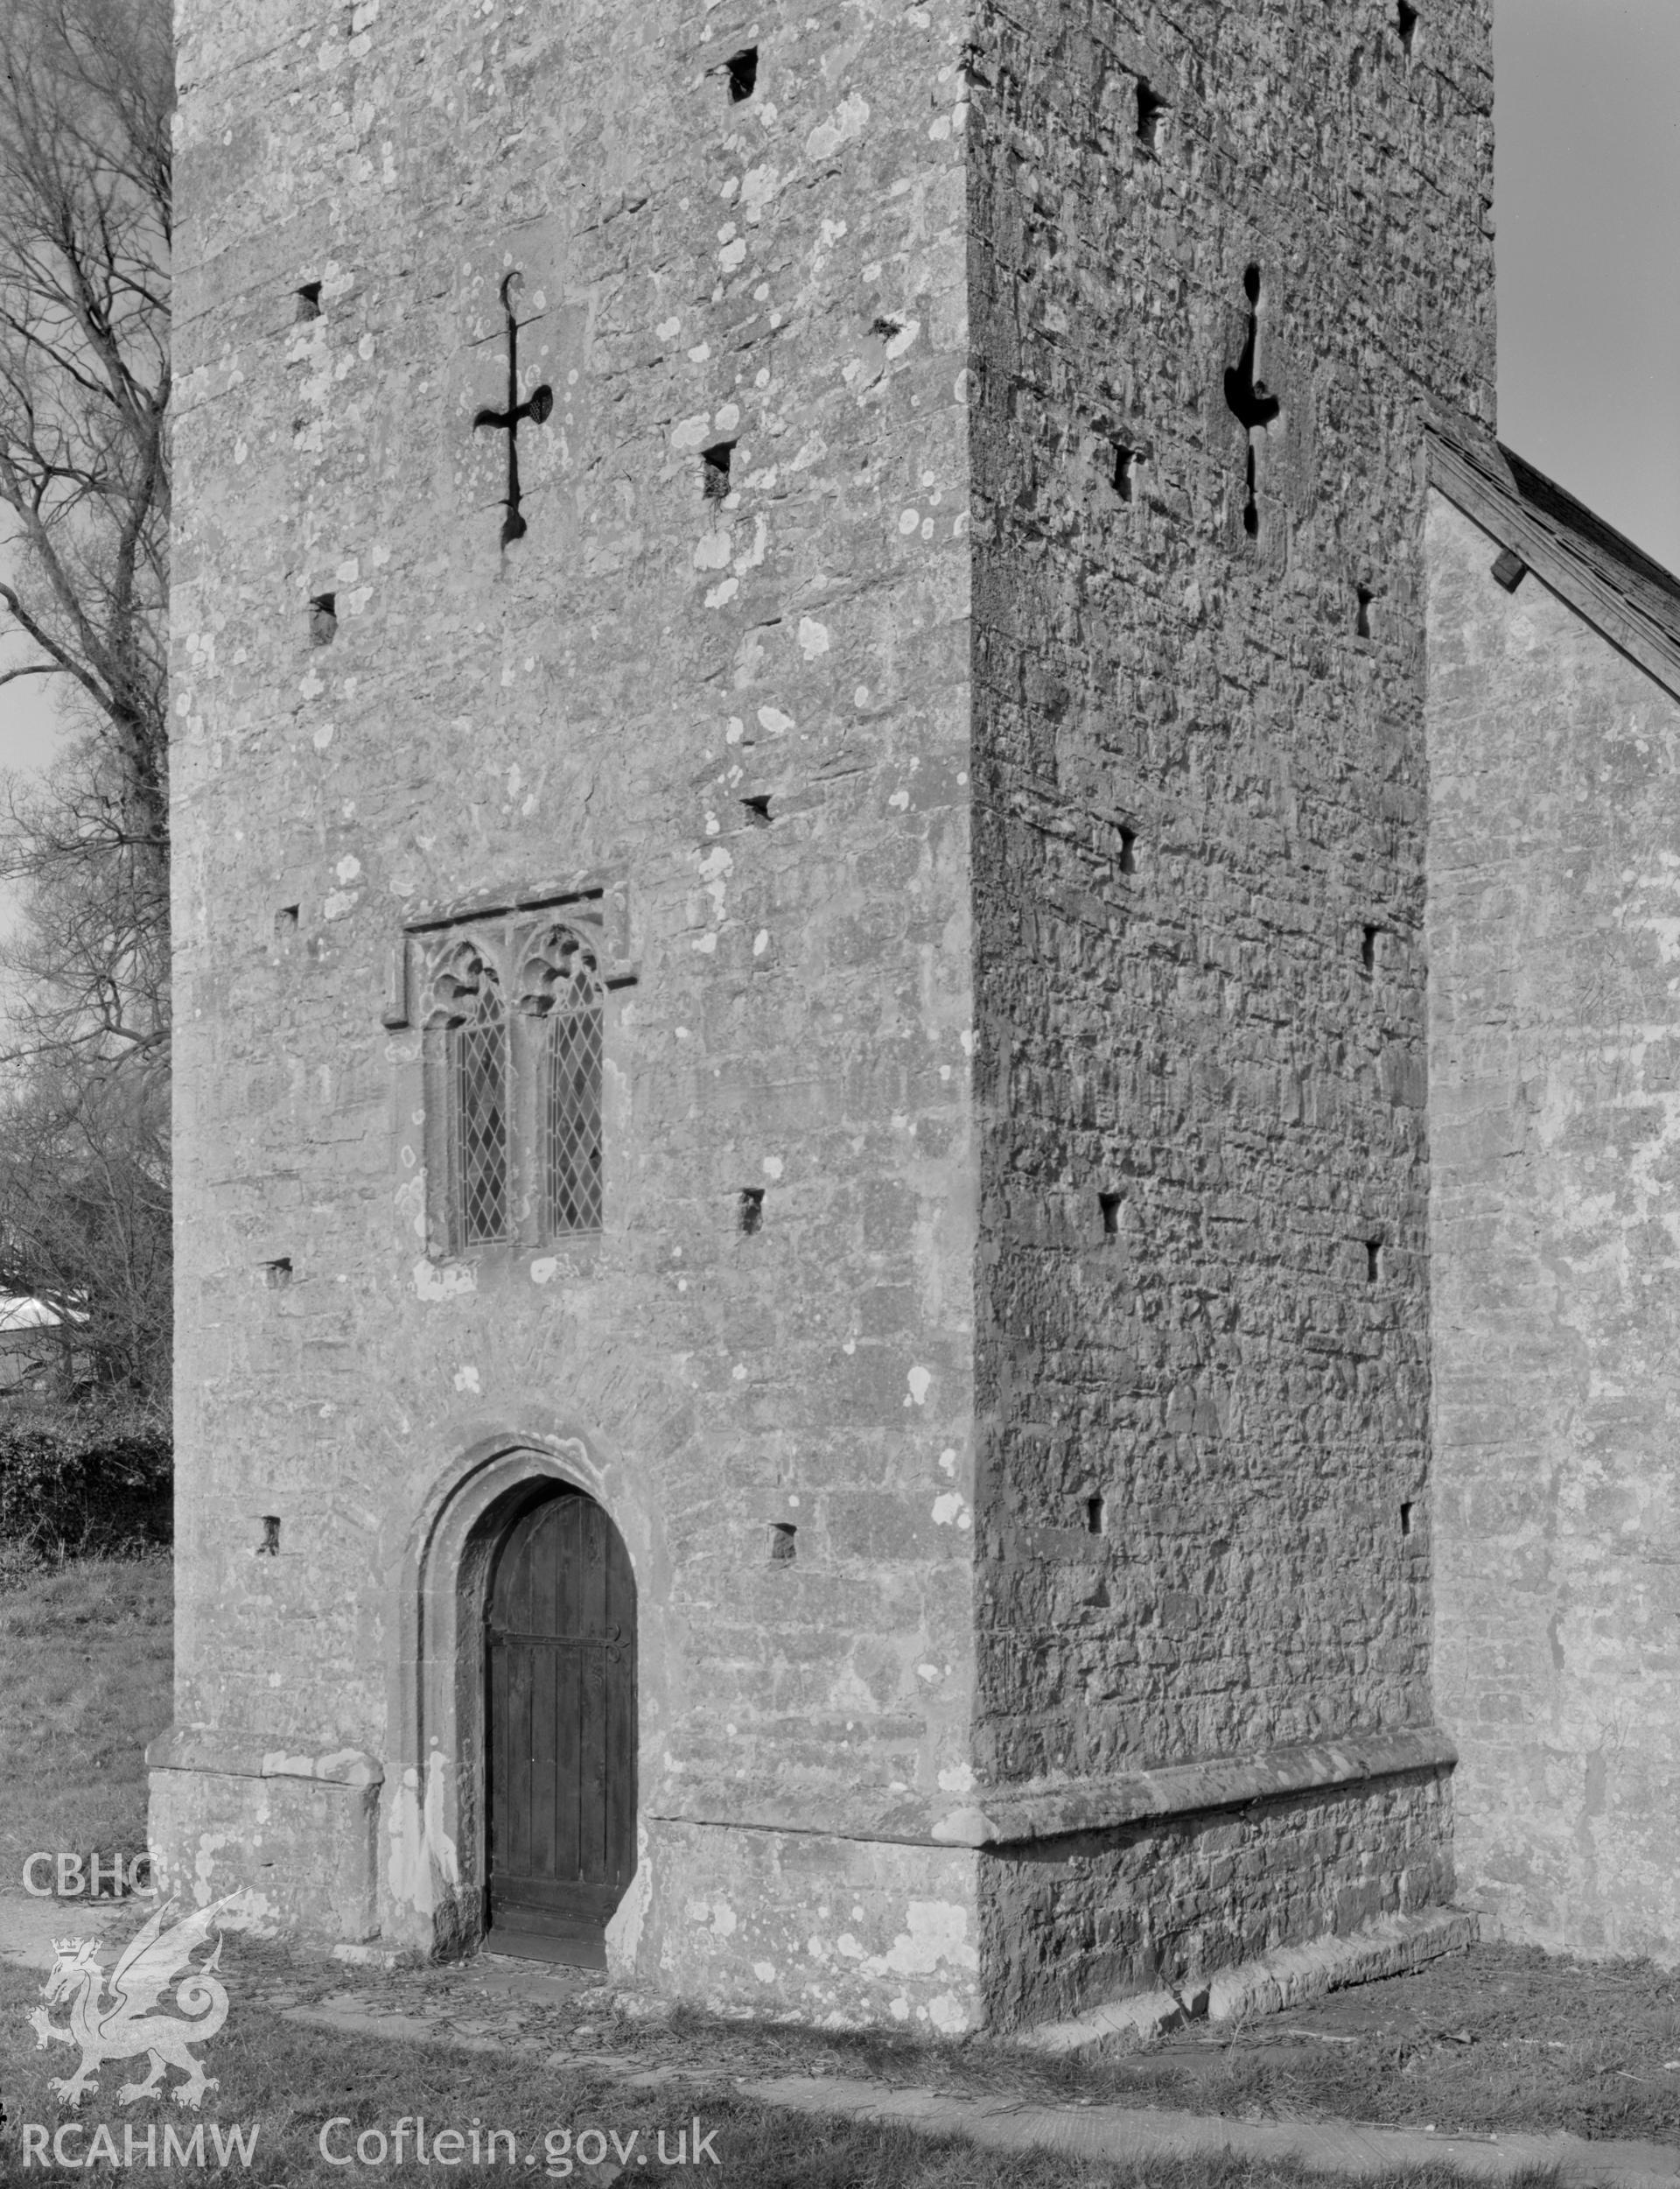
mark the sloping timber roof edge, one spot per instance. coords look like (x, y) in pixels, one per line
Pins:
(1628, 599)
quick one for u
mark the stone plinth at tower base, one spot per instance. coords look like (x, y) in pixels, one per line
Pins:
(826, 1930)
(1004, 1907)
(300, 1831)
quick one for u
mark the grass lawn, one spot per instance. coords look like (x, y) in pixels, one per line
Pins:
(287, 2082)
(85, 1658)
(1500, 2036)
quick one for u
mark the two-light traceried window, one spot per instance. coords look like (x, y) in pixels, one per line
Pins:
(513, 1031)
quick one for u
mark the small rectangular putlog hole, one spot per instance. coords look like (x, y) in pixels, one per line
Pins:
(1113, 1207)
(285, 923)
(758, 810)
(1405, 1519)
(276, 1274)
(1096, 1516)
(751, 1209)
(742, 69)
(1509, 570)
(308, 300)
(270, 1545)
(783, 1548)
(714, 470)
(1152, 107)
(323, 618)
(1373, 1260)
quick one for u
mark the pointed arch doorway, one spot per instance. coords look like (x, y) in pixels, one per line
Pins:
(560, 1708)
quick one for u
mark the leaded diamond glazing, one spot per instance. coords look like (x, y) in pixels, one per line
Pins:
(481, 1124)
(572, 1053)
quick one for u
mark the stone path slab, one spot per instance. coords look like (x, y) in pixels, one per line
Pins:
(360, 2020)
(1124, 2133)
(28, 1926)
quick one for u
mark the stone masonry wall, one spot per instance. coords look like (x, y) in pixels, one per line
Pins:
(1199, 806)
(1554, 887)
(838, 1933)
(594, 705)
(1070, 1922)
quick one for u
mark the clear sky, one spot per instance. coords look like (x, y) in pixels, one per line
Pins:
(1588, 187)
(1586, 120)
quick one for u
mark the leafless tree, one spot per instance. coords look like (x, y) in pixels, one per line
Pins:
(84, 1222)
(86, 91)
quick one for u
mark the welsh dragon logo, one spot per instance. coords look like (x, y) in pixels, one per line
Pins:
(113, 2018)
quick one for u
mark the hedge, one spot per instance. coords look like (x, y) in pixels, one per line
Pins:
(77, 1480)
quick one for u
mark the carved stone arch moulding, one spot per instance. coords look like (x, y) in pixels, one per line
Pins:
(559, 968)
(436, 1856)
(459, 979)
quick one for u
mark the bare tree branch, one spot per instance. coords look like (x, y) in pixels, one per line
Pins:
(86, 91)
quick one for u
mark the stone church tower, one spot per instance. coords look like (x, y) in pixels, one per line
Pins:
(799, 814)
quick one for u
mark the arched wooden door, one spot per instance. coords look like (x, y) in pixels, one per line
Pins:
(561, 1659)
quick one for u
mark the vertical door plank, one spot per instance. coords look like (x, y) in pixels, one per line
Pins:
(496, 1803)
(561, 1700)
(569, 1766)
(619, 1775)
(519, 1756)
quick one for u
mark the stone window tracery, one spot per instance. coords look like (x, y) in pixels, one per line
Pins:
(512, 1014)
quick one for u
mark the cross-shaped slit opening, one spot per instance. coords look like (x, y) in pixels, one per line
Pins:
(537, 407)
(1247, 399)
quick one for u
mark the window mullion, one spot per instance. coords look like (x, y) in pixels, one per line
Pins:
(525, 1039)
